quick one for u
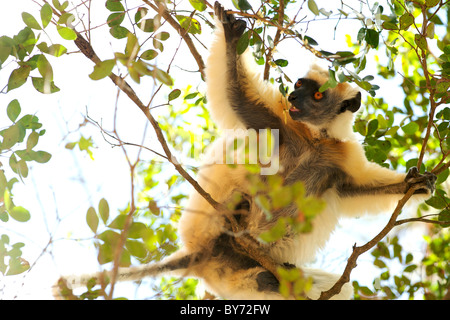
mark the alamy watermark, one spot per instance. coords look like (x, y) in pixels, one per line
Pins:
(239, 147)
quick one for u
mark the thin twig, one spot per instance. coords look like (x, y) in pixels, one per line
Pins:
(357, 251)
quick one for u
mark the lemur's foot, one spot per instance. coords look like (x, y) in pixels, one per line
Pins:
(421, 183)
(233, 28)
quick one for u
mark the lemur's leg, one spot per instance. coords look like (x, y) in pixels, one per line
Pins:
(253, 112)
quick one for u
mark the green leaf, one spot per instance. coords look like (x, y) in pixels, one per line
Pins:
(30, 21)
(46, 14)
(11, 136)
(45, 68)
(103, 210)
(140, 13)
(55, 50)
(174, 94)
(115, 19)
(420, 41)
(132, 48)
(32, 140)
(22, 168)
(153, 207)
(410, 128)
(139, 230)
(163, 77)
(147, 25)
(44, 85)
(114, 5)
(92, 219)
(372, 38)
(431, 3)
(313, 7)
(430, 30)
(191, 96)
(119, 32)
(67, 19)
(149, 54)
(198, 4)
(103, 69)
(372, 127)
(281, 62)
(18, 77)
(436, 202)
(244, 5)
(311, 41)
(406, 21)
(410, 268)
(444, 216)
(442, 177)
(67, 33)
(389, 25)
(26, 41)
(42, 156)
(60, 7)
(118, 222)
(163, 36)
(20, 214)
(13, 110)
(189, 24)
(242, 43)
(275, 233)
(136, 248)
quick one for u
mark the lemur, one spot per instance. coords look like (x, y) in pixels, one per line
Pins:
(316, 146)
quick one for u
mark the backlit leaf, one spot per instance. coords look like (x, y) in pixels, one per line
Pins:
(13, 110)
(46, 14)
(18, 77)
(119, 32)
(42, 156)
(102, 69)
(67, 33)
(20, 214)
(410, 128)
(92, 219)
(30, 21)
(198, 5)
(174, 94)
(149, 54)
(103, 210)
(313, 7)
(44, 85)
(114, 5)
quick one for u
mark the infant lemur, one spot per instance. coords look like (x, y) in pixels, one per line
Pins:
(316, 146)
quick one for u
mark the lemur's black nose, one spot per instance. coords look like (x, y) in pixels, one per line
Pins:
(292, 97)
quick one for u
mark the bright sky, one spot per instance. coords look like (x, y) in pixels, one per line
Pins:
(70, 183)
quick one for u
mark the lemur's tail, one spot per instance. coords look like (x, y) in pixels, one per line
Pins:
(176, 264)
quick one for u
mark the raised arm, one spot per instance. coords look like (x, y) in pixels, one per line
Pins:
(237, 95)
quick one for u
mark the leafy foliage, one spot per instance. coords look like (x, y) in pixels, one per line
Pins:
(409, 41)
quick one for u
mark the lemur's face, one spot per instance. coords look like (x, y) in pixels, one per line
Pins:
(310, 105)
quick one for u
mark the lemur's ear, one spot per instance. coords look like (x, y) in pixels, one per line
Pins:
(352, 104)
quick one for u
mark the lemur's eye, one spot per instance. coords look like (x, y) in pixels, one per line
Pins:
(298, 84)
(318, 95)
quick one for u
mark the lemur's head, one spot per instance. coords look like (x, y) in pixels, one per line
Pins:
(310, 105)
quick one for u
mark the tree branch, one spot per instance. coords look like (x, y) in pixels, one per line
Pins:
(357, 251)
(276, 40)
(162, 10)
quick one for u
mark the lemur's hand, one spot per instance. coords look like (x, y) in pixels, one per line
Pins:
(421, 183)
(233, 28)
